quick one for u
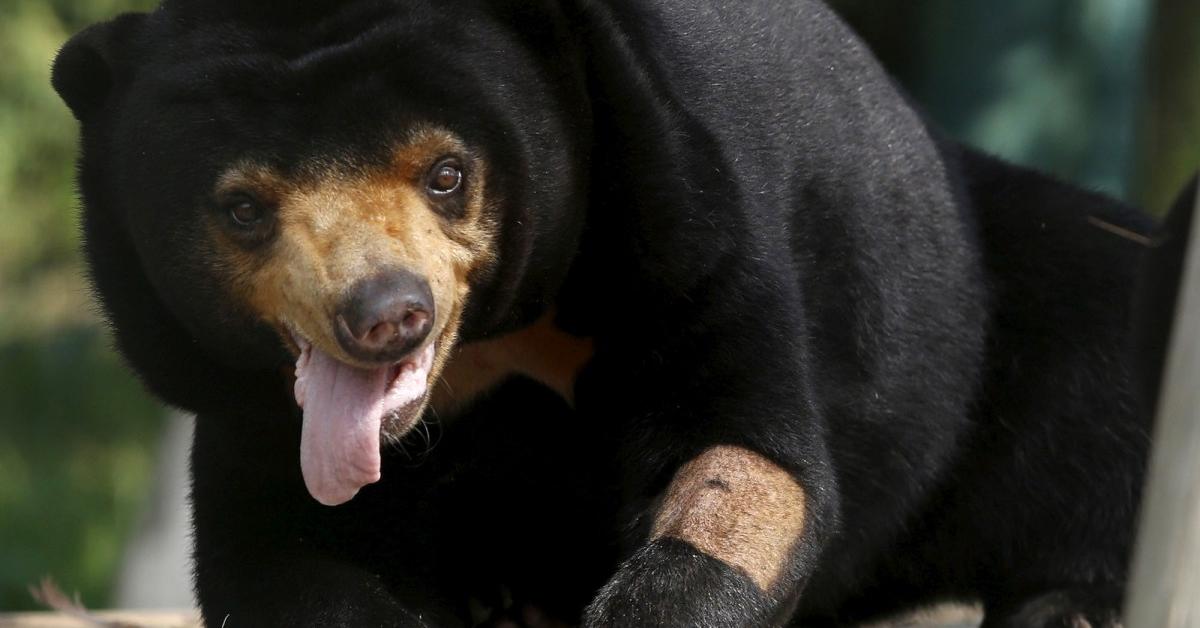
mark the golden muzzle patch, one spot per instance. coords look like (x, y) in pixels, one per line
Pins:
(364, 273)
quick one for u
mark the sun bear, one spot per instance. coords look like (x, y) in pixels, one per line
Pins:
(612, 312)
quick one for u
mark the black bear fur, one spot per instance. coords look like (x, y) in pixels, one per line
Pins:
(770, 248)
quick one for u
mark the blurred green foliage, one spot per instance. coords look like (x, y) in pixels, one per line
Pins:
(1057, 85)
(76, 431)
(1104, 93)
(1170, 126)
(76, 463)
(1053, 85)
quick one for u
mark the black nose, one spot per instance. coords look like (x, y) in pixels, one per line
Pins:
(385, 317)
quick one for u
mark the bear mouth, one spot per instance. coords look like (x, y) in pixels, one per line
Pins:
(346, 410)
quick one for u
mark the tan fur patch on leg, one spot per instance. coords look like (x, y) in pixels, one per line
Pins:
(737, 507)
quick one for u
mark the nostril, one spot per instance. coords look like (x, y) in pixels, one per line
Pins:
(382, 334)
(415, 320)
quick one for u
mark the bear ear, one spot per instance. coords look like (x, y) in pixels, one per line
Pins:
(87, 67)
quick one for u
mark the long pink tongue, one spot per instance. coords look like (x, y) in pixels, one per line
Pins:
(343, 409)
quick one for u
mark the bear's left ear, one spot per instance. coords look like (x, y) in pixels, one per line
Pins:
(87, 67)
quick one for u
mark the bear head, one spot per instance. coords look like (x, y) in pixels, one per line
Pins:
(349, 187)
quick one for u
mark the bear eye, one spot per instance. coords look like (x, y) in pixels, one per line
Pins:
(445, 178)
(245, 211)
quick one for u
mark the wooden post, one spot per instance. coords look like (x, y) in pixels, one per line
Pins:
(1165, 587)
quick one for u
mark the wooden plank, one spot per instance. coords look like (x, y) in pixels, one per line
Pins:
(1165, 588)
(113, 619)
(950, 616)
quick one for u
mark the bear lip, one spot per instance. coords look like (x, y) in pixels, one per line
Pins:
(344, 409)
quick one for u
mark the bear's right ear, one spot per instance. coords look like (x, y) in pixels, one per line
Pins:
(87, 67)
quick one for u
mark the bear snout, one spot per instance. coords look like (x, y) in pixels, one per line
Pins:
(385, 317)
